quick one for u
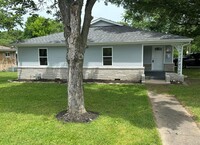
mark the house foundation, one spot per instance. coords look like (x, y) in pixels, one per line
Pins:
(124, 74)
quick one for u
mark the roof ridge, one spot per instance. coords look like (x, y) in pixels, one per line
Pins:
(106, 20)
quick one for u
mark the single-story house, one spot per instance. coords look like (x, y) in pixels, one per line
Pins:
(7, 58)
(114, 52)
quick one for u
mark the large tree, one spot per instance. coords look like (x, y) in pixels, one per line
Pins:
(76, 42)
(180, 17)
(182, 14)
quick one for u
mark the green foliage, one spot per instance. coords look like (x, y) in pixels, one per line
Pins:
(173, 16)
(28, 112)
(196, 44)
(35, 26)
(40, 26)
(11, 12)
(7, 37)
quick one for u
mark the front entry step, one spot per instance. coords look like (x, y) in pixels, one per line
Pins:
(157, 75)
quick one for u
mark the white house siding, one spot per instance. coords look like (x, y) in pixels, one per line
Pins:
(128, 56)
(124, 56)
(93, 57)
(57, 57)
(28, 57)
(127, 63)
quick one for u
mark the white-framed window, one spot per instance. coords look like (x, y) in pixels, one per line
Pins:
(43, 57)
(107, 56)
(168, 54)
(7, 54)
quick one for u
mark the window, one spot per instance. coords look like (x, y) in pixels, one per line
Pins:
(107, 56)
(7, 54)
(43, 56)
(168, 54)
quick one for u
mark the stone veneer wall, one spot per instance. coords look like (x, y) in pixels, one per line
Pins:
(132, 74)
(171, 77)
(169, 67)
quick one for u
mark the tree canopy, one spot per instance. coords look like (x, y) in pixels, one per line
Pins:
(39, 26)
(180, 17)
(11, 12)
(8, 37)
(176, 16)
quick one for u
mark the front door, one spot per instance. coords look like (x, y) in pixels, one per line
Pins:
(157, 58)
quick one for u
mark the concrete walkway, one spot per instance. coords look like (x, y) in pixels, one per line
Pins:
(174, 123)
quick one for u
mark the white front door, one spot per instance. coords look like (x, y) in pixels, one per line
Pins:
(157, 58)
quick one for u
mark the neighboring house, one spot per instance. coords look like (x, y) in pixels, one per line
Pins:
(7, 58)
(114, 52)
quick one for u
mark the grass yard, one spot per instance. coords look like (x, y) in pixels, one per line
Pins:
(27, 115)
(188, 95)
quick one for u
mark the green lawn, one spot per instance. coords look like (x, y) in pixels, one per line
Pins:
(27, 115)
(188, 95)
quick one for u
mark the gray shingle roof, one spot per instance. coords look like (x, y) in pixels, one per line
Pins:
(109, 34)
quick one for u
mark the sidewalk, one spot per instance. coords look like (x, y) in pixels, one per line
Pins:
(174, 123)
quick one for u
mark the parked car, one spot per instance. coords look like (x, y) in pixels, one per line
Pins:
(192, 59)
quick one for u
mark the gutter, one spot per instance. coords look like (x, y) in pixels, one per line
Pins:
(149, 42)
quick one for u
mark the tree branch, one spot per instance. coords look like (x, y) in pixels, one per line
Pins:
(87, 20)
(64, 6)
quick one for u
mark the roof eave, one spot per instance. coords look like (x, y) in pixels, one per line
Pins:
(169, 41)
(164, 41)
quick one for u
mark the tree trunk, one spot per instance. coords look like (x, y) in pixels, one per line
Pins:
(75, 80)
(76, 41)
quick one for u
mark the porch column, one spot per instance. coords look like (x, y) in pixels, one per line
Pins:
(180, 59)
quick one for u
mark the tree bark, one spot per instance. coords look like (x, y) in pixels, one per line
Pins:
(76, 41)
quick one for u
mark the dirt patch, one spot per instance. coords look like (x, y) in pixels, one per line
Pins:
(64, 116)
(61, 81)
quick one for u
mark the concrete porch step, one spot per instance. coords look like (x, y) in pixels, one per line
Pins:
(153, 81)
(157, 75)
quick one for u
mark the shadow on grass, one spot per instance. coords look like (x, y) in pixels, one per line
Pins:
(127, 102)
(4, 79)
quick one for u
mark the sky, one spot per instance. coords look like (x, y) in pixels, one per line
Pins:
(111, 12)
